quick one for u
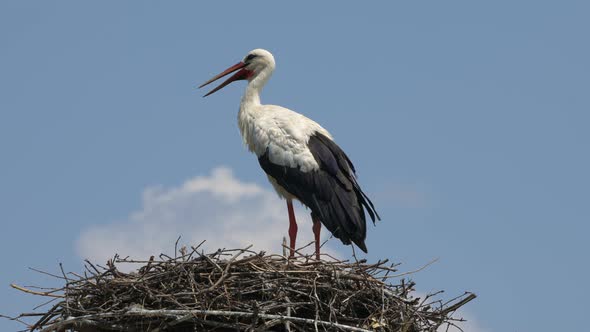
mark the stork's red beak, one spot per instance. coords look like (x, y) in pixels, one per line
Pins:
(241, 75)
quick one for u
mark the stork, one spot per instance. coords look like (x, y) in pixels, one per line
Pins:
(300, 158)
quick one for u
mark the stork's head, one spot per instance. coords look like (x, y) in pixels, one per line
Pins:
(255, 64)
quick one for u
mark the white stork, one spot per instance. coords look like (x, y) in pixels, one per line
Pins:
(300, 158)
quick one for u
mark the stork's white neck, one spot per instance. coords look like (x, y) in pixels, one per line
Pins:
(251, 96)
(250, 106)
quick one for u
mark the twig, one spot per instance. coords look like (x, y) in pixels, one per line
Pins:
(459, 304)
(22, 289)
(414, 271)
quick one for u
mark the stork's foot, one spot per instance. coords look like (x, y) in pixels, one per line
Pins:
(292, 229)
(317, 227)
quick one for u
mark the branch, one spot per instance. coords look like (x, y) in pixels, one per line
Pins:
(22, 289)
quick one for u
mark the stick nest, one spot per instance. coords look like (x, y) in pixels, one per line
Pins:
(240, 290)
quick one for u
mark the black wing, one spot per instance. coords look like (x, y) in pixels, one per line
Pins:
(331, 192)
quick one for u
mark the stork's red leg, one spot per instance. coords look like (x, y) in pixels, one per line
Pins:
(317, 227)
(292, 227)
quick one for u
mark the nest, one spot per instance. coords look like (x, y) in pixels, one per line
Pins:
(240, 290)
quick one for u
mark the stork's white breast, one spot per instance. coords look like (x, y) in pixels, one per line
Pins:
(283, 133)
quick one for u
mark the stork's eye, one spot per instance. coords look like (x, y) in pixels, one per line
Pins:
(250, 57)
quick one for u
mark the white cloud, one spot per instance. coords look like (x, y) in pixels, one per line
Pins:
(218, 208)
(470, 324)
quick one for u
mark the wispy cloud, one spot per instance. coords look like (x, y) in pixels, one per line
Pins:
(218, 208)
(411, 196)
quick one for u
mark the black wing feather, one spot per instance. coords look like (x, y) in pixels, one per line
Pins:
(331, 192)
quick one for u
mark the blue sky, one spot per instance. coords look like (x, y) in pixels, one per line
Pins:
(468, 123)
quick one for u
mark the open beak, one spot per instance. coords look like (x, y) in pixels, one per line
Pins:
(240, 75)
